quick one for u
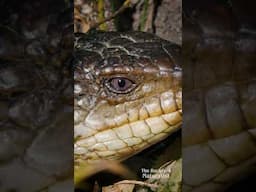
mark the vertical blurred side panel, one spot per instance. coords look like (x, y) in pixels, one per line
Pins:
(36, 96)
(219, 100)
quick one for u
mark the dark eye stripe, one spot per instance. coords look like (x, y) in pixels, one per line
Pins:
(120, 85)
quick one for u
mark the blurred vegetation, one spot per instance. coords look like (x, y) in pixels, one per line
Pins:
(161, 17)
(112, 14)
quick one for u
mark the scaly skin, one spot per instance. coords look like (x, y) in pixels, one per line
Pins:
(36, 96)
(219, 124)
(115, 126)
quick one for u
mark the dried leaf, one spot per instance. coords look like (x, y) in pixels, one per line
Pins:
(119, 188)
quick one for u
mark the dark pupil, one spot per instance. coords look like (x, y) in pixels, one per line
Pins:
(121, 83)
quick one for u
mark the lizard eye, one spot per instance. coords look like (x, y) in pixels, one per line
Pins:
(120, 85)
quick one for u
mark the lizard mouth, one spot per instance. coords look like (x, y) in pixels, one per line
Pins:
(142, 123)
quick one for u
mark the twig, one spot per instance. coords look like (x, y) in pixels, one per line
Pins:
(102, 26)
(141, 183)
(149, 20)
(125, 5)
